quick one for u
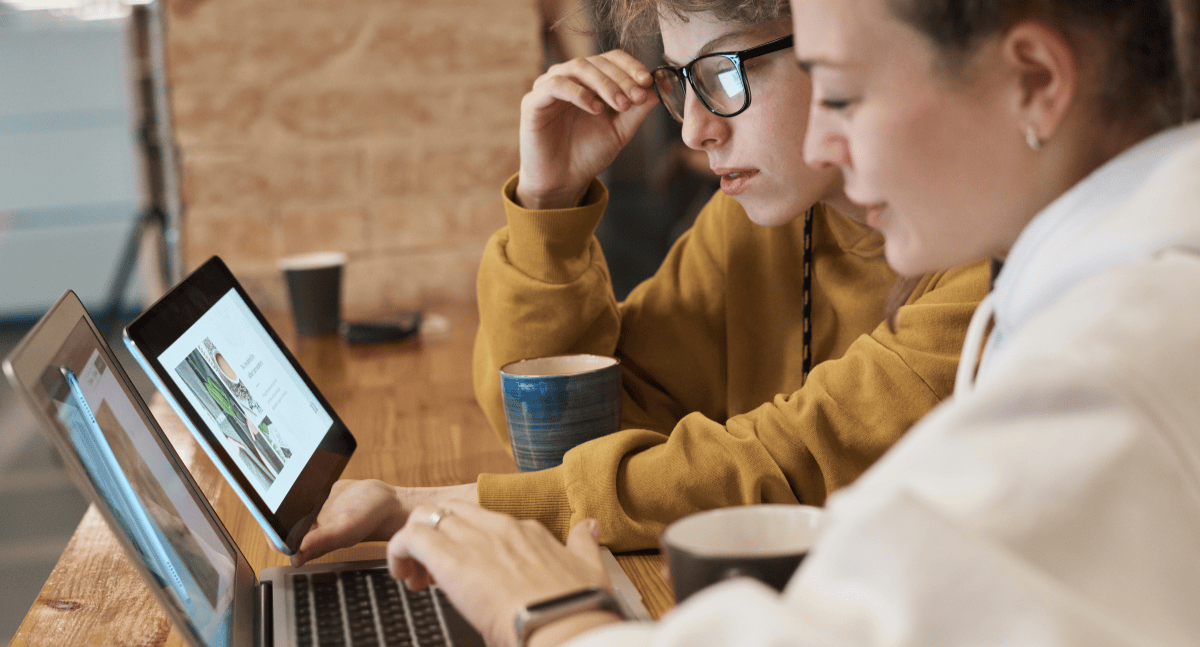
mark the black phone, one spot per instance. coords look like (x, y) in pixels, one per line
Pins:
(402, 326)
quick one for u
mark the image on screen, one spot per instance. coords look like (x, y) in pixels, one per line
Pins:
(248, 395)
(153, 506)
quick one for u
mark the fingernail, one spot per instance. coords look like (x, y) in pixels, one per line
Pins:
(595, 529)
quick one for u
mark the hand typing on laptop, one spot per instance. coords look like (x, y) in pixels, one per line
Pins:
(492, 566)
(370, 510)
(489, 564)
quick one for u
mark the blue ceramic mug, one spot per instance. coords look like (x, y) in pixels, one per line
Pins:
(552, 404)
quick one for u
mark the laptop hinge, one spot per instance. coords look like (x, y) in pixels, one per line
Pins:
(264, 623)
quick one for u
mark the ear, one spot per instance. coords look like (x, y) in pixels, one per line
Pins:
(1047, 72)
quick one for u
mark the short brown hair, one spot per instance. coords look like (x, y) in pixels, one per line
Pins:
(633, 21)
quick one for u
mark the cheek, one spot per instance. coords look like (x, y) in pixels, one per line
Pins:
(895, 153)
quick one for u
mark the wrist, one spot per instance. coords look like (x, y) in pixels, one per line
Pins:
(564, 629)
(542, 200)
(572, 613)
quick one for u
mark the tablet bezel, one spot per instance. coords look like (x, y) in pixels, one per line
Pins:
(169, 318)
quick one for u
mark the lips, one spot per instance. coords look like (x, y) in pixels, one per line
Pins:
(735, 180)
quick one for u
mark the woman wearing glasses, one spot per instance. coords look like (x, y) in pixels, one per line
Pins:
(757, 363)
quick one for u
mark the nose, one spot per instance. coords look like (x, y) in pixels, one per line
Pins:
(702, 129)
(824, 145)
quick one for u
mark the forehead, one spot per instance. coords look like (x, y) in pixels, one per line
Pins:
(857, 35)
(685, 38)
(828, 31)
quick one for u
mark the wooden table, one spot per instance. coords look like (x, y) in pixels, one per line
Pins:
(411, 407)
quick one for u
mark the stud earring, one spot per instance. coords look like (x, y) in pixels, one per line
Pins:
(1031, 138)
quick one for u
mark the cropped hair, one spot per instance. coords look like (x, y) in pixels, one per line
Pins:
(634, 21)
(1150, 57)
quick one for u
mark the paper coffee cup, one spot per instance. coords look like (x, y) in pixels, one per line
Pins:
(314, 284)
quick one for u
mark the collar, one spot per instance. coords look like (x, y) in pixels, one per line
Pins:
(1086, 231)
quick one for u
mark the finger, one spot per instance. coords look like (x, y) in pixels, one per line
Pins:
(603, 78)
(627, 123)
(582, 541)
(326, 538)
(597, 74)
(550, 90)
(408, 551)
(630, 65)
(413, 573)
(630, 87)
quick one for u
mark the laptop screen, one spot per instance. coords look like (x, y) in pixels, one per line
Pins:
(135, 477)
(236, 378)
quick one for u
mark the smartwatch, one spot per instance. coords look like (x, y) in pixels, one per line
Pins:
(537, 614)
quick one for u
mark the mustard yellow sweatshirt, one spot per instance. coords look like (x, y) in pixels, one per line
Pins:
(714, 412)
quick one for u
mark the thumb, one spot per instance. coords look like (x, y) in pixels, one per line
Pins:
(626, 123)
(582, 540)
(319, 540)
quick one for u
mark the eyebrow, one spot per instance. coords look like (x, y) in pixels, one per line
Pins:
(809, 63)
(716, 44)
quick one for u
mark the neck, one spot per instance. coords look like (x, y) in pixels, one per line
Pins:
(851, 210)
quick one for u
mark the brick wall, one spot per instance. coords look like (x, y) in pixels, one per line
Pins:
(381, 128)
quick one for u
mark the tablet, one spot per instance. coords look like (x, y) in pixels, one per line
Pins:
(244, 397)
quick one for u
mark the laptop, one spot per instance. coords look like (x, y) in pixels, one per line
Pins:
(120, 458)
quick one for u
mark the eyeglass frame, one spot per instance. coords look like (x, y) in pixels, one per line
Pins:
(738, 58)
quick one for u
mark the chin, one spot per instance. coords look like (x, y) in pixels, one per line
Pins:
(905, 259)
(768, 214)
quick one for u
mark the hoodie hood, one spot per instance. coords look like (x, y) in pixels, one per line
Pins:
(1127, 210)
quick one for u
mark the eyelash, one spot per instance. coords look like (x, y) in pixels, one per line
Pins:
(837, 105)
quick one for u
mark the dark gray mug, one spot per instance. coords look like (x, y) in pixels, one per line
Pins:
(314, 284)
(552, 404)
(766, 542)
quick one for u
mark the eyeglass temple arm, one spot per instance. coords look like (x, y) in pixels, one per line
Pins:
(768, 48)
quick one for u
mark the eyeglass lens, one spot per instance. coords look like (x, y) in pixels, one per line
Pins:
(716, 79)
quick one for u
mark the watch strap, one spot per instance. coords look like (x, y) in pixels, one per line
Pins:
(537, 614)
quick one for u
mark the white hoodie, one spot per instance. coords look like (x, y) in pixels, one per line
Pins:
(1055, 499)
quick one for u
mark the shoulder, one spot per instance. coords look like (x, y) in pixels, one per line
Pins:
(964, 283)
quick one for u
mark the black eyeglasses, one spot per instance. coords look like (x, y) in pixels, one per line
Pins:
(718, 79)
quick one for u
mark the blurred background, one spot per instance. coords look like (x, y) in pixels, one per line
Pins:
(139, 138)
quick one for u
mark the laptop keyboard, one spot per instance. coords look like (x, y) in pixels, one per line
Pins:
(366, 607)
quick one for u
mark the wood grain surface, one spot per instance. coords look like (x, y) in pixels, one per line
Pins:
(411, 407)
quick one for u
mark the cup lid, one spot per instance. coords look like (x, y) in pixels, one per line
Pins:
(312, 261)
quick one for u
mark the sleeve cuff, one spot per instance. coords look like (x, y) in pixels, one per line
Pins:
(533, 495)
(553, 245)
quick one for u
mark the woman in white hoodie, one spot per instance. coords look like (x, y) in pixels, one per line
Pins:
(1055, 499)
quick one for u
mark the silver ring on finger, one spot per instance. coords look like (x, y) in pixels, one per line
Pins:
(437, 517)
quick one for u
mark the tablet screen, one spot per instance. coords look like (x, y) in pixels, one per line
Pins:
(245, 398)
(236, 378)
